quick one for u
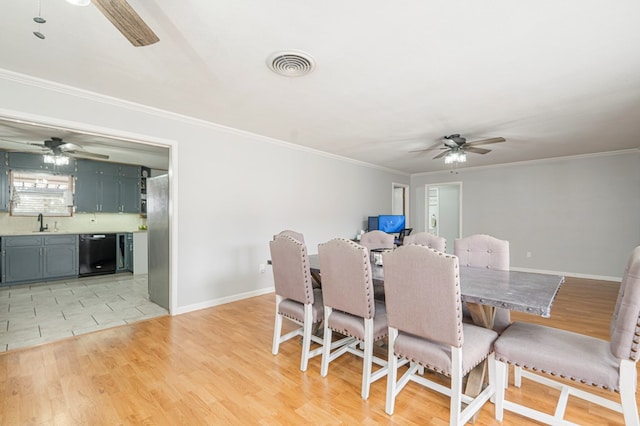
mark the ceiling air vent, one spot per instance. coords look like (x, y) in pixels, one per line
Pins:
(291, 63)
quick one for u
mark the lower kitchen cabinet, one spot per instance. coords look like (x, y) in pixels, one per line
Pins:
(38, 258)
(60, 256)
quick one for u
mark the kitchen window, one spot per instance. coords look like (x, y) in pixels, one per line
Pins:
(35, 193)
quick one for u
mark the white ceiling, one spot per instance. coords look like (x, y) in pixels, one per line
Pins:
(553, 78)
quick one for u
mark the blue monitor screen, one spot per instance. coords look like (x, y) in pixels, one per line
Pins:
(391, 223)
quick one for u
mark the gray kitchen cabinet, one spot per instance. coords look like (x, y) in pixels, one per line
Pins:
(129, 194)
(107, 187)
(85, 198)
(130, 171)
(21, 259)
(129, 189)
(60, 256)
(35, 162)
(124, 255)
(38, 258)
(95, 192)
(98, 167)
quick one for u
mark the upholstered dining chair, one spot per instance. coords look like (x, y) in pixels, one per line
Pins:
(582, 359)
(296, 299)
(315, 279)
(295, 235)
(350, 308)
(424, 312)
(377, 240)
(426, 239)
(485, 251)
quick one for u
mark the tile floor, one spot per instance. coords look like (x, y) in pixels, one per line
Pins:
(31, 314)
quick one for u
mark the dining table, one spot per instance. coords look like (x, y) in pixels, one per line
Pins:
(484, 290)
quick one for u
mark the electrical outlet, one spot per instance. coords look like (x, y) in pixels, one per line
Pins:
(529, 254)
(263, 268)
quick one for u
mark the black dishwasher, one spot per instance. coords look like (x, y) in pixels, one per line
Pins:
(97, 254)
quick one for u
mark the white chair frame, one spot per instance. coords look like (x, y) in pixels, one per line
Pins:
(305, 330)
(626, 406)
(457, 416)
(349, 344)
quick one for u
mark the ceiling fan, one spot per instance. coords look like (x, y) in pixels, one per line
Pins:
(455, 147)
(125, 19)
(56, 147)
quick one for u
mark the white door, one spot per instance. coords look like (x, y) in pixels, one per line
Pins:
(400, 201)
(444, 211)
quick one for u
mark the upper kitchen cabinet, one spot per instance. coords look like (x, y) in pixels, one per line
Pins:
(35, 162)
(128, 195)
(129, 171)
(107, 187)
(95, 193)
(98, 167)
(129, 189)
(4, 182)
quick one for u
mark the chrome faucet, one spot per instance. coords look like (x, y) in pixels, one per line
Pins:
(42, 226)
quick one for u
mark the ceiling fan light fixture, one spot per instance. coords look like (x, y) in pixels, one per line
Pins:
(455, 156)
(79, 2)
(58, 160)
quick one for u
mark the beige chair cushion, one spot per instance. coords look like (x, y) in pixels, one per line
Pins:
(560, 353)
(353, 326)
(436, 356)
(295, 310)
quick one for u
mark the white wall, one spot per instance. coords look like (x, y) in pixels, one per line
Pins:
(578, 216)
(235, 190)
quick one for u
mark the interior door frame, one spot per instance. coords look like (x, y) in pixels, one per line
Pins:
(427, 214)
(171, 145)
(406, 202)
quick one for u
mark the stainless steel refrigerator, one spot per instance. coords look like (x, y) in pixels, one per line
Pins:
(159, 241)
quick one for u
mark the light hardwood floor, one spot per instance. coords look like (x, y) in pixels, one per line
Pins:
(215, 366)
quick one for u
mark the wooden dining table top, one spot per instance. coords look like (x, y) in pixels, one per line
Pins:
(528, 292)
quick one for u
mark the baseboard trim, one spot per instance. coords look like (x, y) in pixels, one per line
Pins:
(569, 274)
(223, 300)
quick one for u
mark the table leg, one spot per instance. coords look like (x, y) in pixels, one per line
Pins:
(483, 316)
(315, 278)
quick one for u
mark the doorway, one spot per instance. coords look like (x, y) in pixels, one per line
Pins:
(120, 147)
(443, 211)
(400, 201)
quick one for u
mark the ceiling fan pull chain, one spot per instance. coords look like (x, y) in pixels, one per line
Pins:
(39, 20)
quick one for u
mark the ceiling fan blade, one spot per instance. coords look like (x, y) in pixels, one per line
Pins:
(25, 146)
(85, 154)
(442, 154)
(431, 148)
(486, 141)
(476, 150)
(127, 21)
